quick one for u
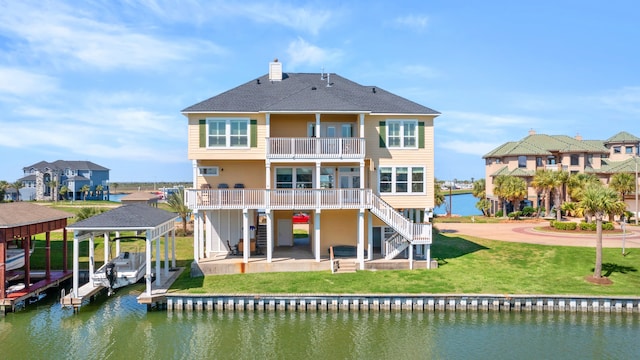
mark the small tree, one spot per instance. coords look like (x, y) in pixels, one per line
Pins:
(17, 185)
(559, 179)
(84, 190)
(3, 189)
(177, 205)
(53, 189)
(598, 201)
(100, 191)
(63, 191)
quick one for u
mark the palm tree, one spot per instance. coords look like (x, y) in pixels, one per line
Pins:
(53, 188)
(514, 189)
(3, 189)
(559, 179)
(115, 187)
(599, 200)
(483, 205)
(543, 184)
(438, 196)
(479, 189)
(63, 191)
(99, 190)
(623, 183)
(177, 205)
(84, 190)
(578, 182)
(17, 185)
(499, 190)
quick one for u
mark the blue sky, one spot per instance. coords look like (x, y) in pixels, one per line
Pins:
(105, 80)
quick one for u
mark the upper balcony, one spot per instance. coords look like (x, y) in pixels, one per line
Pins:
(313, 148)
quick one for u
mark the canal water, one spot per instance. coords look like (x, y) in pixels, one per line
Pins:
(463, 205)
(118, 327)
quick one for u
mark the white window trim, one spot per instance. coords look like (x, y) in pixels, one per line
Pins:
(294, 173)
(227, 133)
(409, 182)
(215, 170)
(402, 137)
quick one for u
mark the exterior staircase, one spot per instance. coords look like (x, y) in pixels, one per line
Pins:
(261, 236)
(343, 266)
(395, 245)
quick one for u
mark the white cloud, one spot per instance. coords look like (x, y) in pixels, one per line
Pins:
(301, 52)
(416, 22)
(66, 35)
(21, 83)
(625, 100)
(482, 124)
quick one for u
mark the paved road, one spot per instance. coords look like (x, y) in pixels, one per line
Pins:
(526, 233)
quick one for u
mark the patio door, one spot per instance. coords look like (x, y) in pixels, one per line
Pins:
(349, 178)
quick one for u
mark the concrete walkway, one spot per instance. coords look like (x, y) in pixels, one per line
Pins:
(525, 232)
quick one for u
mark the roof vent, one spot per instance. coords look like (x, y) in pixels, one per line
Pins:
(258, 81)
(373, 90)
(532, 132)
(314, 88)
(275, 70)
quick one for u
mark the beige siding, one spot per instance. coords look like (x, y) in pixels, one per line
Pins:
(195, 152)
(250, 173)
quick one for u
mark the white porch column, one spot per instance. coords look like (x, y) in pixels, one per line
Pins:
(158, 261)
(428, 246)
(317, 125)
(361, 132)
(196, 234)
(117, 243)
(410, 256)
(269, 220)
(166, 254)
(147, 254)
(316, 234)
(267, 180)
(246, 243)
(208, 233)
(267, 164)
(201, 236)
(361, 238)
(194, 164)
(173, 248)
(76, 265)
(92, 256)
(106, 246)
(370, 235)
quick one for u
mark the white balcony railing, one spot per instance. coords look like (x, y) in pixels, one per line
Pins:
(301, 199)
(315, 148)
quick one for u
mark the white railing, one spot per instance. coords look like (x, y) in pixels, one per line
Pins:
(395, 245)
(301, 199)
(315, 148)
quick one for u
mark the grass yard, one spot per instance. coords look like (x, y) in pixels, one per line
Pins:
(466, 265)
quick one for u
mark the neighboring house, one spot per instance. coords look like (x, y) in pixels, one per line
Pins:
(72, 174)
(602, 158)
(358, 159)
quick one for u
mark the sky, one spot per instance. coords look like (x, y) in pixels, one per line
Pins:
(105, 81)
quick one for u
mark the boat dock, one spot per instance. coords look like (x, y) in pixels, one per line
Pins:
(17, 298)
(159, 292)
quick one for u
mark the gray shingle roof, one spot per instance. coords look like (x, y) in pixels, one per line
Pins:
(307, 92)
(64, 164)
(25, 213)
(132, 216)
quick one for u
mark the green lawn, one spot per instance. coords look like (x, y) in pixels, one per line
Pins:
(466, 265)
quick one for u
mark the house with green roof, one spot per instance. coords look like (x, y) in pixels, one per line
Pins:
(574, 155)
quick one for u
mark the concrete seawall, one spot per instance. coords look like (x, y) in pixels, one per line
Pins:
(402, 303)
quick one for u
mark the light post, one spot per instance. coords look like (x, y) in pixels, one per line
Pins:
(635, 159)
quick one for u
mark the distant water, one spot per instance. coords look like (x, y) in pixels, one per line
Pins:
(116, 197)
(463, 205)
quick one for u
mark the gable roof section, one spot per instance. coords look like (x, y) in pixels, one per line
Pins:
(611, 167)
(25, 213)
(64, 164)
(622, 137)
(133, 216)
(307, 92)
(515, 172)
(541, 144)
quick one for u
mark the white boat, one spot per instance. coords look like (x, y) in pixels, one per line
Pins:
(125, 269)
(15, 258)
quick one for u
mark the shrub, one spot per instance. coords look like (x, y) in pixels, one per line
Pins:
(514, 215)
(499, 213)
(606, 225)
(565, 225)
(528, 211)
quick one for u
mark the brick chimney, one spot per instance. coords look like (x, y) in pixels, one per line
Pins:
(532, 132)
(578, 137)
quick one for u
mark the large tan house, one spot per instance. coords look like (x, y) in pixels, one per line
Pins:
(602, 158)
(358, 160)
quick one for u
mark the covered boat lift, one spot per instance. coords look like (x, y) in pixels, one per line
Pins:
(21, 221)
(142, 219)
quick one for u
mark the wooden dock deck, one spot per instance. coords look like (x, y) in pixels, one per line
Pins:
(17, 297)
(158, 293)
